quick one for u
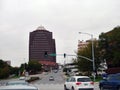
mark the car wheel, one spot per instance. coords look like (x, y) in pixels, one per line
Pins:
(72, 88)
(101, 88)
(65, 88)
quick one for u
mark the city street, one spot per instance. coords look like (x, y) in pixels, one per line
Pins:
(57, 84)
(45, 84)
(59, 44)
(58, 78)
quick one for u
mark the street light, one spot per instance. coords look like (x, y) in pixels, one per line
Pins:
(25, 67)
(93, 59)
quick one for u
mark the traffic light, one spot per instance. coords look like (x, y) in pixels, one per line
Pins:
(64, 55)
(45, 54)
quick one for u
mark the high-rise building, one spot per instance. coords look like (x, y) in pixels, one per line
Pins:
(41, 42)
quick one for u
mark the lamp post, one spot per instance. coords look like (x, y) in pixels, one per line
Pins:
(24, 67)
(93, 59)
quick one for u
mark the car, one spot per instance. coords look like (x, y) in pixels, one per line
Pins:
(18, 87)
(111, 82)
(51, 78)
(79, 83)
(55, 71)
(17, 82)
(22, 78)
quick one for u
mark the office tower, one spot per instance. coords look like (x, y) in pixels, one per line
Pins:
(41, 42)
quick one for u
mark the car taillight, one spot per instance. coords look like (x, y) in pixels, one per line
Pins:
(78, 83)
(92, 83)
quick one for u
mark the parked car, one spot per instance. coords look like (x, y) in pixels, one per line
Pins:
(17, 82)
(18, 87)
(22, 78)
(51, 78)
(111, 82)
(55, 71)
(79, 83)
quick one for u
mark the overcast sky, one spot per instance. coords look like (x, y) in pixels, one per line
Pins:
(65, 18)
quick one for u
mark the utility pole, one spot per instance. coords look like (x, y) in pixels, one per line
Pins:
(93, 59)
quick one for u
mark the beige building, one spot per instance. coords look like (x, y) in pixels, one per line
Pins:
(82, 44)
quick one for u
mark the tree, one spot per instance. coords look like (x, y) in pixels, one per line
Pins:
(14, 70)
(109, 43)
(3, 64)
(85, 65)
(34, 66)
(23, 68)
(4, 69)
(7, 70)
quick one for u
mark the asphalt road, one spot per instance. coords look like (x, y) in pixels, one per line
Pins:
(58, 78)
(45, 84)
(57, 84)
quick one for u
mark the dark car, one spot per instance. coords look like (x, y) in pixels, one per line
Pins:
(55, 71)
(111, 82)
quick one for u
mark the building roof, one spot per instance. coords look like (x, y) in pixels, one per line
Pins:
(41, 28)
(48, 63)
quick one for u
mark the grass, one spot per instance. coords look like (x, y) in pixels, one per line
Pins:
(97, 79)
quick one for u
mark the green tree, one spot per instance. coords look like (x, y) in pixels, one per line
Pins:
(4, 69)
(3, 64)
(109, 44)
(14, 70)
(34, 66)
(85, 65)
(4, 73)
(23, 68)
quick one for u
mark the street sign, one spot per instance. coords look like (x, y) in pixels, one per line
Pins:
(52, 54)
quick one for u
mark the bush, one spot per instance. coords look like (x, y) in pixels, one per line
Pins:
(97, 79)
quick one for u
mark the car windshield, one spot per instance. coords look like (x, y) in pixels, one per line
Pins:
(115, 77)
(17, 83)
(51, 76)
(83, 79)
(118, 77)
(18, 89)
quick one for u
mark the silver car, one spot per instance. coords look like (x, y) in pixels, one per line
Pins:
(17, 82)
(22, 78)
(51, 78)
(18, 87)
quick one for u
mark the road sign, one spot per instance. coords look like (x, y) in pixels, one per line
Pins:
(52, 54)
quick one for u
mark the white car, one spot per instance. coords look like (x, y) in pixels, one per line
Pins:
(18, 87)
(79, 83)
(51, 78)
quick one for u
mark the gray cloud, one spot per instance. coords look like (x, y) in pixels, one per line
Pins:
(65, 18)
